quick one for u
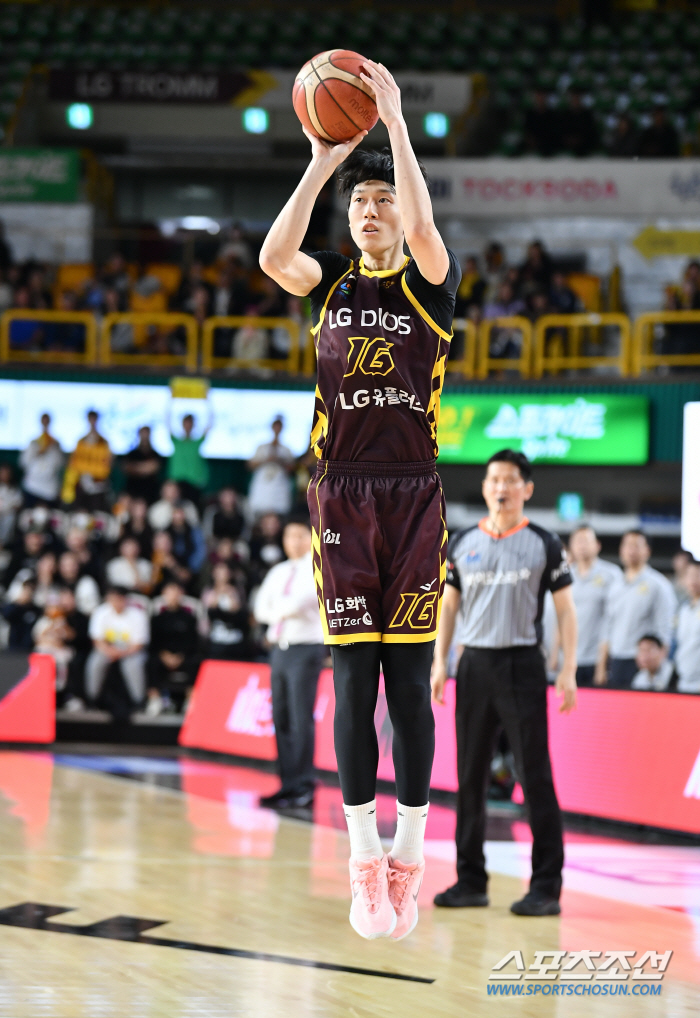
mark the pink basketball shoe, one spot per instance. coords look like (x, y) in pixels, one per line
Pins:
(371, 914)
(404, 884)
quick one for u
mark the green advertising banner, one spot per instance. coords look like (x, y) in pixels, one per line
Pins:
(586, 429)
(39, 174)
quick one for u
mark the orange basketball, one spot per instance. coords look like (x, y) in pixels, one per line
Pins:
(331, 99)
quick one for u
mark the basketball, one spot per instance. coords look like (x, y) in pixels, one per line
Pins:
(331, 99)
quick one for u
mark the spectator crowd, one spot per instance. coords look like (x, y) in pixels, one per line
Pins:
(234, 286)
(551, 128)
(128, 592)
(231, 286)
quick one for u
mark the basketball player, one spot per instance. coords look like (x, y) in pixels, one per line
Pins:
(382, 326)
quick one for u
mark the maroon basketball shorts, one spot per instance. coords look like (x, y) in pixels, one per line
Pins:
(379, 549)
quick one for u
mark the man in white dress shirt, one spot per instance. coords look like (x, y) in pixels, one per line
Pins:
(288, 605)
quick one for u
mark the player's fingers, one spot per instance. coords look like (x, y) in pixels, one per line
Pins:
(387, 77)
(374, 83)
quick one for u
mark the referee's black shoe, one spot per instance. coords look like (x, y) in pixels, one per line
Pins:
(288, 800)
(536, 904)
(459, 896)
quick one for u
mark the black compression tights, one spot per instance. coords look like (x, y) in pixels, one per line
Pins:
(406, 669)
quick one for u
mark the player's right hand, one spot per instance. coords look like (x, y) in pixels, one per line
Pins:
(332, 154)
(438, 678)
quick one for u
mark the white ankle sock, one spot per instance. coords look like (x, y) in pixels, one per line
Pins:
(362, 828)
(410, 831)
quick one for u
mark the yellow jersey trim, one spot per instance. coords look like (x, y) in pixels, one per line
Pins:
(317, 327)
(383, 272)
(412, 638)
(318, 570)
(424, 314)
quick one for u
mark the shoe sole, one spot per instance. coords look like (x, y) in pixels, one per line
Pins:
(471, 904)
(412, 928)
(374, 936)
(550, 911)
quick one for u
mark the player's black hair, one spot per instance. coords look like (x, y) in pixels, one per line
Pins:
(298, 519)
(367, 164)
(518, 459)
(652, 638)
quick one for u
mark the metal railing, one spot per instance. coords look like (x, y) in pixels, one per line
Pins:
(140, 322)
(240, 323)
(146, 332)
(486, 363)
(643, 356)
(572, 359)
(466, 364)
(48, 356)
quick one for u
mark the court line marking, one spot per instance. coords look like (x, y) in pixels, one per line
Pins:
(31, 915)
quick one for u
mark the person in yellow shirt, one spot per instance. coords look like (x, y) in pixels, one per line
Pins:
(86, 481)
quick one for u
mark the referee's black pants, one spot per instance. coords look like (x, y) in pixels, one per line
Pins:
(505, 688)
(293, 679)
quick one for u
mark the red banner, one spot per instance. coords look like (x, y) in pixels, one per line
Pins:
(28, 707)
(623, 755)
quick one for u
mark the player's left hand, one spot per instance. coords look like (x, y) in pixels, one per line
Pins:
(566, 690)
(387, 94)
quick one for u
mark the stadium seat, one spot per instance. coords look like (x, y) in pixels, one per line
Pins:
(154, 303)
(572, 35)
(602, 35)
(169, 275)
(587, 289)
(72, 277)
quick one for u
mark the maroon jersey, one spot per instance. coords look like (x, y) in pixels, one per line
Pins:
(382, 340)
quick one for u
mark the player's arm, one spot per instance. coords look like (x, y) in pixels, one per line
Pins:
(566, 618)
(450, 607)
(280, 256)
(424, 241)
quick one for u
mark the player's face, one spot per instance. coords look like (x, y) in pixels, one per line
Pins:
(296, 540)
(375, 221)
(504, 489)
(634, 551)
(692, 581)
(584, 546)
(650, 655)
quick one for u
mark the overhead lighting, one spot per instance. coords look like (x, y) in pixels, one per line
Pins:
(79, 116)
(199, 223)
(255, 120)
(436, 125)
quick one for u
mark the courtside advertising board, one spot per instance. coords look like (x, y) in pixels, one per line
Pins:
(590, 428)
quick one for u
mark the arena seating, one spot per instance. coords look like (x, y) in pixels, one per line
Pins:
(627, 67)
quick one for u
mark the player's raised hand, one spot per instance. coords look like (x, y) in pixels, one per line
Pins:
(566, 691)
(329, 154)
(387, 93)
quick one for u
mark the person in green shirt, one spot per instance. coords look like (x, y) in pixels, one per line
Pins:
(187, 466)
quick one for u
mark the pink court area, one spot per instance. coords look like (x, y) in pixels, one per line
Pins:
(618, 893)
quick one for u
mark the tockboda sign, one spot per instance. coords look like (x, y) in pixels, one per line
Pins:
(39, 174)
(565, 187)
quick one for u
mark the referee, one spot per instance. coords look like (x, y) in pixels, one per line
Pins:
(498, 572)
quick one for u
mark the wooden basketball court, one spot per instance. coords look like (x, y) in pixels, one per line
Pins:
(123, 897)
